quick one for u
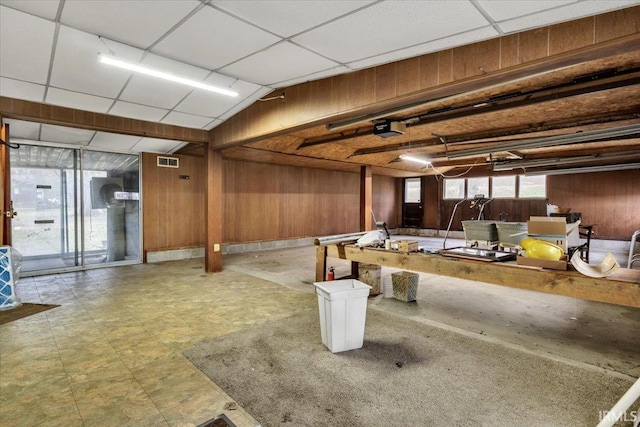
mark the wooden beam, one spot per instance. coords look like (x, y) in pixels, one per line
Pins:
(621, 288)
(321, 263)
(19, 109)
(214, 212)
(366, 198)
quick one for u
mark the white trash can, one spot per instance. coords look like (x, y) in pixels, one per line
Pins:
(343, 312)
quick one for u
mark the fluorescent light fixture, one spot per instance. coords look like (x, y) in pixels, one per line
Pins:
(551, 141)
(105, 59)
(415, 160)
(587, 169)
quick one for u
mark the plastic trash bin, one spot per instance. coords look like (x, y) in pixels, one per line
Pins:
(343, 312)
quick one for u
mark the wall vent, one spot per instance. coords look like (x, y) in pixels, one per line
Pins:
(168, 162)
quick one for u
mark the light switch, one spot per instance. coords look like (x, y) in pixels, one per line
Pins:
(216, 247)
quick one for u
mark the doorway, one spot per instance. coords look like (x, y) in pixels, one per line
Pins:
(76, 208)
(412, 206)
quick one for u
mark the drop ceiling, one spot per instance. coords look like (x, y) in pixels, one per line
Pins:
(49, 54)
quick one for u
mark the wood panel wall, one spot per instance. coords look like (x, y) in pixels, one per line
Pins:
(387, 199)
(609, 200)
(380, 87)
(174, 208)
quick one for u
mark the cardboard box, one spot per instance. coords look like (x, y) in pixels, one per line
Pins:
(553, 230)
(543, 263)
(405, 245)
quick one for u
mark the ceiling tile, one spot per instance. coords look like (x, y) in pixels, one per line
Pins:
(43, 8)
(301, 15)
(21, 90)
(501, 10)
(158, 92)
(281, 62)
(340, 69)
(139, 23)
(25, 43)
(19, 129)
(389, 26)
(65, 135)
(76, 66)
(214, 123)
(561, 14)
(155, 145)
(212, 105)
(245, 103)
(204, 40)
(113, 141)
(77, 100)
(136, 111)
(434, 46)
(186, 120)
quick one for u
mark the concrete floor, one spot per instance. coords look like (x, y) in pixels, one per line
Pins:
(111, 354)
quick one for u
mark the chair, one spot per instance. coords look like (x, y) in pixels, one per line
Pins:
(585, 231)
(633, 257)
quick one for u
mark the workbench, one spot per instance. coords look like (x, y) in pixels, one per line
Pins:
(621, 288)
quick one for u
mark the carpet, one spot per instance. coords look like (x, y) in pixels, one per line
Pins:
(23, 310)
(406, 374)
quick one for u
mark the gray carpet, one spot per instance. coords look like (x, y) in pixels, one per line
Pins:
(406, 374)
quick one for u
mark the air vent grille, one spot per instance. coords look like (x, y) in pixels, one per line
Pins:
(168, 162)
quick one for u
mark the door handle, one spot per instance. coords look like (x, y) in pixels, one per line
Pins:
(10, 213)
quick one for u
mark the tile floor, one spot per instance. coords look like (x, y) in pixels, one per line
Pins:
(111, 354)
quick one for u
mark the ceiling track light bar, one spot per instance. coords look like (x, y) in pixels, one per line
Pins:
(110, 60)
(588, 136)
(586, 169)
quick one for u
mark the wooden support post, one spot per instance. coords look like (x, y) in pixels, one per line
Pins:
(213, 214)
(321, 263)
(366, 198)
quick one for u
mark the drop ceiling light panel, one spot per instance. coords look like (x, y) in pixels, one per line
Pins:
(432, 46)
(139, 23)
(152, 145)
(65, 135)
(204, 40)
(77, 100)
(186, 120)
(137, 111)
(561, 14)
(300, 15)
(76, 66)
(25, 45)
(22, 90)
(19, 129)
(203, 102)
(389, 26)
(44, 8)
(156, 92)
(278, 63)
(114, 141)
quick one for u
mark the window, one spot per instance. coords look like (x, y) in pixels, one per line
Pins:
(412, 190)
(503, 187)
(454, 188)
(478, 186)
(532, 186)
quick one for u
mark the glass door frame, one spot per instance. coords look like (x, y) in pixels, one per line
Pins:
(80, 209)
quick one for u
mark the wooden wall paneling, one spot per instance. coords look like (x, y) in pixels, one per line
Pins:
(386, 200)
(571, 35)
(429, 70)
(431, 218)
(408, 76)
(533, 45)
(386, 81)
(617, 24)
(445, 66)
(214, 211)
(366, 198)
(509, 55)
(476, 59)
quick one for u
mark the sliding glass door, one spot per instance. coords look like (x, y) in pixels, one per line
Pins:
(75, 208)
